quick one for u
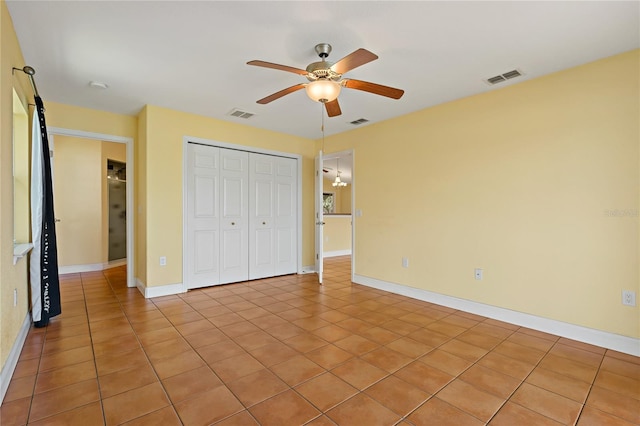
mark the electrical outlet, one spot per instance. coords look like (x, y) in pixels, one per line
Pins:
(405, 262)
(478, 274)
(163, 260)
(15, 297)
(628, 297)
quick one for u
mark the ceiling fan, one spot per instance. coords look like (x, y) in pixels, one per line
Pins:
(325, 79)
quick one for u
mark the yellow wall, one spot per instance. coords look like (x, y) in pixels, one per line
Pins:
(345, 199)
(162, 166)
(524, 182)
(78, 200)
(337, 233)
(90, 120)
(11, 276)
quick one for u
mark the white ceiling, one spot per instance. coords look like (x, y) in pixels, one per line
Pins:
(191, 56)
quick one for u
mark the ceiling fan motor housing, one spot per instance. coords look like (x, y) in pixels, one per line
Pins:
(322, 69)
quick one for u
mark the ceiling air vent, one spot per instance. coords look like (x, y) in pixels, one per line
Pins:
(241, 114)
(359, 121)
(503, 77)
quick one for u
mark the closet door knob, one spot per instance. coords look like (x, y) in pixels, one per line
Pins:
(264, 223)
(233, 223)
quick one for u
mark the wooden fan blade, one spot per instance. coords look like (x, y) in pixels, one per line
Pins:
(353, 60)
(374, 88)
(280, 94)
(333, 108)
(278, 67)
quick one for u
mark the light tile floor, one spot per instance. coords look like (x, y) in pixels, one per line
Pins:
(286, 351)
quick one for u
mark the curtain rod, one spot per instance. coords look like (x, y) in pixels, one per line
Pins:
(30, 72)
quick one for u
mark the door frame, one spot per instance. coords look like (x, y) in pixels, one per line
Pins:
(246, 148)
(318, 216)
(103, 137)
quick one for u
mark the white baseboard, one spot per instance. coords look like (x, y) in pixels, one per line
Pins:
(617, 342)
(115, 263)
(161, 290)
(10, 365)
(336, 253)
(90, 267)
(309, 269)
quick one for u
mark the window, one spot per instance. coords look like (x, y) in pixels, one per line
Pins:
(328, 202)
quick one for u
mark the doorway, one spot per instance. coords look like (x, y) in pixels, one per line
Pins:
(127, 143)
(117, 209)
(339, 204)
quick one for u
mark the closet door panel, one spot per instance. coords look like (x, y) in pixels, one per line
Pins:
(234, 218)
(261, 207)
(202, 216)
(285, 247)
(206, 259)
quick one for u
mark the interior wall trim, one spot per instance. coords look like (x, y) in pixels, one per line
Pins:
(616, 342)
(336, 253)
(14, 356)
(309, 269)
(160, 290)
(90, 267)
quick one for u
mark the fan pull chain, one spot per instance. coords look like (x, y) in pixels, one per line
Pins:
(322, 125)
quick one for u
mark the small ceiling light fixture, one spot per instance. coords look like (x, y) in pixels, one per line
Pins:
(98, 85)
(338, 183)
(323, 90)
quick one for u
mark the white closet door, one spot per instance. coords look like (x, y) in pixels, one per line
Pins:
(203, 216)
(272, 207)
(234, 250)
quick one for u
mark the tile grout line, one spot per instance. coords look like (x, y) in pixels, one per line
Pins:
(591, 385)
(145, 354)
(95, 364)
(462, 372)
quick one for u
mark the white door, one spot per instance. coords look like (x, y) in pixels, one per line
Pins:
(202, 244)
(319, 217)
(272, 222)
(234, 224)
(241, 216)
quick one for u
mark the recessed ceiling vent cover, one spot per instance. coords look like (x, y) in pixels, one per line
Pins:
(241, 114)
(503, 77)
(359, 121)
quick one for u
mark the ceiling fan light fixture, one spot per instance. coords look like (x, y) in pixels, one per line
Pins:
(323, 90)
